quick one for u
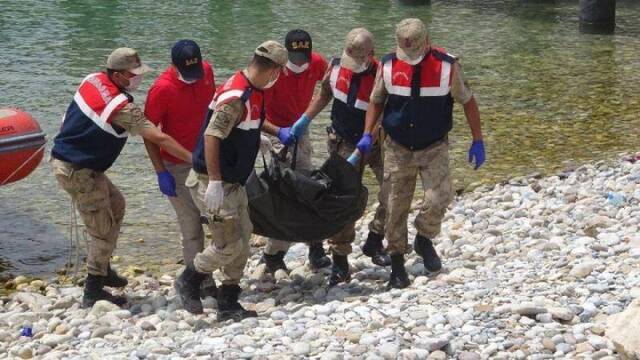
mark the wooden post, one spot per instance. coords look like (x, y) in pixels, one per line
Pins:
(597, 16)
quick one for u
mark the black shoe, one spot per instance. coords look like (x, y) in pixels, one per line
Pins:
(339, 271)
(188, 287)
(113, 279)
(274, 262)
(374, 249)
(398, 278)
(208, 287)
(228, 306)
(318, 259)
(93, 291)
(424, 247)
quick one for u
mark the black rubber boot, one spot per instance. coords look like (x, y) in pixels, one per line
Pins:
(374, 249)
(228, 306)
(318, 259)
(188, 287)
(113, 279)
(93, 291)
(398, 278)
(208, 287)
(424, 247)
(274, 262)
(339, 271)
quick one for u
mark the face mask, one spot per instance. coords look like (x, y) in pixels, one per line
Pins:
(416, 61)
(361, 68)
(272, 82)
(185, 81)
(297, 68)
(134, 82)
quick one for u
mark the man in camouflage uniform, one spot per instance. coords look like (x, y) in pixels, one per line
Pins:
(222, 161)
(416, 87)
(93, 133)
(348, 82)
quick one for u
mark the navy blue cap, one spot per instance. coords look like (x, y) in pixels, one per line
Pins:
(186, 56)
(298, 44)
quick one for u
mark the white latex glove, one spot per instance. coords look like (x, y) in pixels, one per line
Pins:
(214, 196)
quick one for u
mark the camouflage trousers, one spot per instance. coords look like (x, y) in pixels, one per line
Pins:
(303, 163)
(101, 207)
(402, 167)
(230, 230)
(340, 244)
(187, 213)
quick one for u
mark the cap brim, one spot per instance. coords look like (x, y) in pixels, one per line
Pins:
(299, 56)
(192, 73)
(142, 69)
(350, 63)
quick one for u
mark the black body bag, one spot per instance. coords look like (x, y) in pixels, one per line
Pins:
(289, 205)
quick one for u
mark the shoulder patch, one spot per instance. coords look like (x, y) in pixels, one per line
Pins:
(388, 57)
(335, 61)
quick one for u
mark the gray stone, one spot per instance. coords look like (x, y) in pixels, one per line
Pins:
(388, 351)
(300, 348)
(278, 315)
(582, 270)
(623, 329)
(561, 313)
(437, 355)
(243, 340)
(544, 318)
(101, 332)
(53, 340)
(564, 348)
(101, 307)
(528, 309)
(468, 355)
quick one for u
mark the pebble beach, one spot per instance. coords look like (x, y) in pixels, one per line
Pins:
(534, 268)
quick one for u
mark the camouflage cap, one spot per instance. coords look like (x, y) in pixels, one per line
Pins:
(273, 51)
(126, 59)
(411, 39)
(358, 46)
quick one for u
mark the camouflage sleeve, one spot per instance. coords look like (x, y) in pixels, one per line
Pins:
(224, 119)
(325, 85)
(379, 92)
(132, 119)
(459, 87)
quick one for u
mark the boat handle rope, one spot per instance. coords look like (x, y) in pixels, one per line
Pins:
(22, 165)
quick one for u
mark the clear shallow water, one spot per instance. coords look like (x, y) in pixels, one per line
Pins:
(547, 93)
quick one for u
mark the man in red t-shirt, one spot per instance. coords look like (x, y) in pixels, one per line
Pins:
(178, 102)
(290, 96)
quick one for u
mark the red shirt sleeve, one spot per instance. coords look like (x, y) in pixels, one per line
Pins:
(155, 108)
(211, 74)
(320, 66)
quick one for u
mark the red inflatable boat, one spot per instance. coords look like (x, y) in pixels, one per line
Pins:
(21, 145)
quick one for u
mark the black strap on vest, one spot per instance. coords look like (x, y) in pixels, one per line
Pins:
(119, 130)
(353, 89)
(415, 80)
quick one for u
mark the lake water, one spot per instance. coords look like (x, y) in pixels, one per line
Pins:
(547, 94)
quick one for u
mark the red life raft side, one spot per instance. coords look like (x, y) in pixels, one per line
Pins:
(21, 145)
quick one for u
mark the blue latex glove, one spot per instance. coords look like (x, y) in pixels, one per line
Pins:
(167, 183)
(353, 158)
(477, 151)
(285, 136)
(364, 145)
(300, 126)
